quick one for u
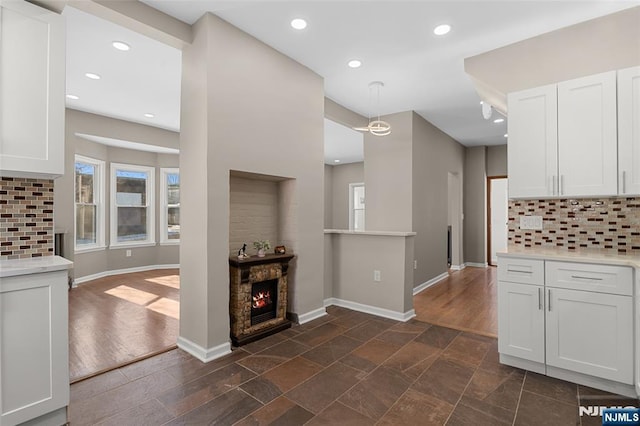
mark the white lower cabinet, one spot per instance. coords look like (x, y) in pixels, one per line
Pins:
(34, 361)
(590, 333)
(521, 320)
(584, 335)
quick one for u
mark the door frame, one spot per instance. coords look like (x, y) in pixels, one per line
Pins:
(489, 179)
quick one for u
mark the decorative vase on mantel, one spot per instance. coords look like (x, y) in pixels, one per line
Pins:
(262, 246)
(261, 253)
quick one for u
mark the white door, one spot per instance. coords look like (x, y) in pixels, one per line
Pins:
(587, 136)
(533, 142)
(590, 333)
(629, 131)
(499, 208)
(521, 320)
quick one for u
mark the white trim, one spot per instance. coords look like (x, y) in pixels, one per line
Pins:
(310, 316)
(131, 245)
(171, 243)
(99, 200)
(92, 277)
(429, 283)
(149, 205)
(164, 206)
(373, 310)
(89, 250)
(477, 265)
(204, 355)
(352, 219)
(457, 267)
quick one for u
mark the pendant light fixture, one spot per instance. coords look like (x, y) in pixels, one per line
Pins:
(376, 127)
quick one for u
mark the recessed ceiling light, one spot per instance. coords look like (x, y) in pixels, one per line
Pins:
(149, 115)
(498, 120)
(336, 161)
(354, 63)
(121, 45)
(74, 97)
(92, 76)
(299, 24)
(442, 29)
(506, 135)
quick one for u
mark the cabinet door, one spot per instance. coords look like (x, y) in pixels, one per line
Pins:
(34, 346)
(533, 142)
(590, 333)
(521, 320)
(587, 136)
(32, 81)
(629, 131)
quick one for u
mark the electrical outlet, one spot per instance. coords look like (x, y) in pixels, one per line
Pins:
(531, 222)
(415, 264)
(376, 276)
(127, 253)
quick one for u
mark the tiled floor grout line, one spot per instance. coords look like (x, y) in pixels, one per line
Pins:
(519, 398)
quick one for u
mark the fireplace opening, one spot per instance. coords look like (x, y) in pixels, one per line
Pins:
(264, 301)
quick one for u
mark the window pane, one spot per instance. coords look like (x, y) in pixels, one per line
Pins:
(173, 188)
(358, 197)
(85, 224)
(131, 188)
(173, 229)
(132, 224)
(84, 182)
(358, 220)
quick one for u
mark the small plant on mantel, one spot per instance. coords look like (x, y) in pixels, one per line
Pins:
(262, 246)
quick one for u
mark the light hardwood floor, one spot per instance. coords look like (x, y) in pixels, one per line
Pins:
(466, 300)
(116, 320)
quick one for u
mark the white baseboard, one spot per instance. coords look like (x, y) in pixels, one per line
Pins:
(91, 277)
(457, 267)
(477, 265)
(310, 316)
(373, 310)
(429, 283)
(204, 355)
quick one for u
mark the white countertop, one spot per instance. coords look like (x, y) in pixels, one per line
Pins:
(33, 265)
(583, 256)
(377, 233)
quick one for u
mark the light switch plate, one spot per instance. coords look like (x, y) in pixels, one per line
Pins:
(531, 222)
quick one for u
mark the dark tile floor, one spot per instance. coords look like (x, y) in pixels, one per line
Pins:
(347, 368)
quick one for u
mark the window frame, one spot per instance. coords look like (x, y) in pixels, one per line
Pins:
(98, 201)
(164, 205)
(352, 209)
(150, 206)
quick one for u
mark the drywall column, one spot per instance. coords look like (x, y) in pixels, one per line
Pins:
(388, 176)
(475, 206)
(249, 108)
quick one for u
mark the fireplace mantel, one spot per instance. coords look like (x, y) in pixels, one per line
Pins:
(246, 326)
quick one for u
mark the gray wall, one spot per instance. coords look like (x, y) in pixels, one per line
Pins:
(328, 196)
(253, 213)
(265, 119)
(497, 160)
(475, 205)
(343, 175)
(89, 263)
(435, 155)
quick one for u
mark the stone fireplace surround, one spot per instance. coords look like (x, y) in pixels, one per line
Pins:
(243, 273)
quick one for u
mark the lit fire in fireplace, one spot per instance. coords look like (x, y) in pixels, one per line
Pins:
(261, 299)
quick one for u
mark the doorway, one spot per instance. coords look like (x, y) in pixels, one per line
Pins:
(497, 217)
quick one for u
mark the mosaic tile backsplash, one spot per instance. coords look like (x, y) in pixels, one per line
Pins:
(609, 224)
(26, 218)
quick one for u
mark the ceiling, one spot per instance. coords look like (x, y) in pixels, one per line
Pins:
(393, 39)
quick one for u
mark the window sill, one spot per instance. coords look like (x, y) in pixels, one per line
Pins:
(89, 249)
(170, 243)
(131, 245)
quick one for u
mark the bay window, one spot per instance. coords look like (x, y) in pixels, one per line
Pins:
(89, 203)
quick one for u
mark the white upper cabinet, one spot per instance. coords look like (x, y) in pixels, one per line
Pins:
(629, 131)
(587, 136)
(563, 138)
(533, 142)
(32, 84)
